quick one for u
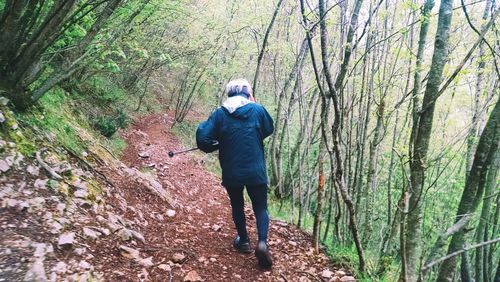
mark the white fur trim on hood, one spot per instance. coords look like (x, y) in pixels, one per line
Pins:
(235, 102)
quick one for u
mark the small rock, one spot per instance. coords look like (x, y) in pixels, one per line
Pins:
(178, 258)
(104, 231)
(2, 117)
(79, 251)
(119, 273)
(100, 219)
(56, 227)
(41, 184)
(4, 166)
(192, 276)
(9, 203)
(14, 126)
(292, 243)
(83, 265)
(348, 279)
(33, 170)
(147, 262)
(138, 236)
(327, 274)
(40, 250)
(340, 273)
(165, 267)
(60, 208)
(84, 154)
(170, 213)
(144, 155)
(36, 203)
(6, 190)
(36, 272)
(60, 268)
(66, 240)
(23, 206)
(82, 203)
(281, 223)
(90, 233)
(216, 227)
(81, 193)
(125, 234)
(84, 277)
(130, 253)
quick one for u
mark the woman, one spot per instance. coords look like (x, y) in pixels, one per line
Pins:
(237, 129)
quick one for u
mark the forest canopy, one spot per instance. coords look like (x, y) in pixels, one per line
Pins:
(387, 115)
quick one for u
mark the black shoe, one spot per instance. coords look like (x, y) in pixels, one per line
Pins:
(242, 247)
(263, 256)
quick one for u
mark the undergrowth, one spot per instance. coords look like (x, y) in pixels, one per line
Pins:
(98, 107)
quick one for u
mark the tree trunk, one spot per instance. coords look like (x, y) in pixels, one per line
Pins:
(474, 187)
(371, 175)
(73, 60)
(479, 271)
(264, 46)
(423, 129)
(321, 185)
(335, 154)
(275, 151)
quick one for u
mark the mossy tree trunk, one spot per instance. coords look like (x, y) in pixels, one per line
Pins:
(422, 133)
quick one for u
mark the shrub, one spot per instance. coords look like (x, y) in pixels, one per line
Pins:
(108, 125)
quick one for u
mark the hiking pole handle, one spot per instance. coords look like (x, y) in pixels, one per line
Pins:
(171, 154)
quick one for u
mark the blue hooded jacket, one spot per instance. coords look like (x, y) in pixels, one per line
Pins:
(238, 131)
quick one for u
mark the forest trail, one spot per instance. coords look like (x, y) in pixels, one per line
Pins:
(199, 236)
(122, 229)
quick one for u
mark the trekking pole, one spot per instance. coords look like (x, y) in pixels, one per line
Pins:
(171, 154)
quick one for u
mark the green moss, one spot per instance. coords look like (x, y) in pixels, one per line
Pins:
(54, 116)
(117, 145)
(23, 139)
(94, 190)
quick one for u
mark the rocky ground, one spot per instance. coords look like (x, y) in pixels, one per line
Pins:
(146, 217)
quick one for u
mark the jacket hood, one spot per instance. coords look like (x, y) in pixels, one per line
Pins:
(235, 106)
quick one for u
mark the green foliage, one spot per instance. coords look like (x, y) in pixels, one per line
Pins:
(108, 125)
(54, 116)
(117, 145)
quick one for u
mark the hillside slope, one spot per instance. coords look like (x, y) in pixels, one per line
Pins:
(119, 224)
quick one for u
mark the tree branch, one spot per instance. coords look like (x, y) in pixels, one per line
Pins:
(485, 243)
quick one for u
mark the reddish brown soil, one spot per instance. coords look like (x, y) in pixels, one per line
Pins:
(201, 203)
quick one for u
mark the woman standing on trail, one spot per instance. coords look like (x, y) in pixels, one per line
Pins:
(237, 130)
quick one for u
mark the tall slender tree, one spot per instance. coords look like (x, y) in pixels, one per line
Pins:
(422, 128)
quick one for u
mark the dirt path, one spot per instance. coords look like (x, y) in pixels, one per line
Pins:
(113, 223)
(199, 236)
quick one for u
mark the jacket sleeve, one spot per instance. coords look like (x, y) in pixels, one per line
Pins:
(206, 135)
(267, 123)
